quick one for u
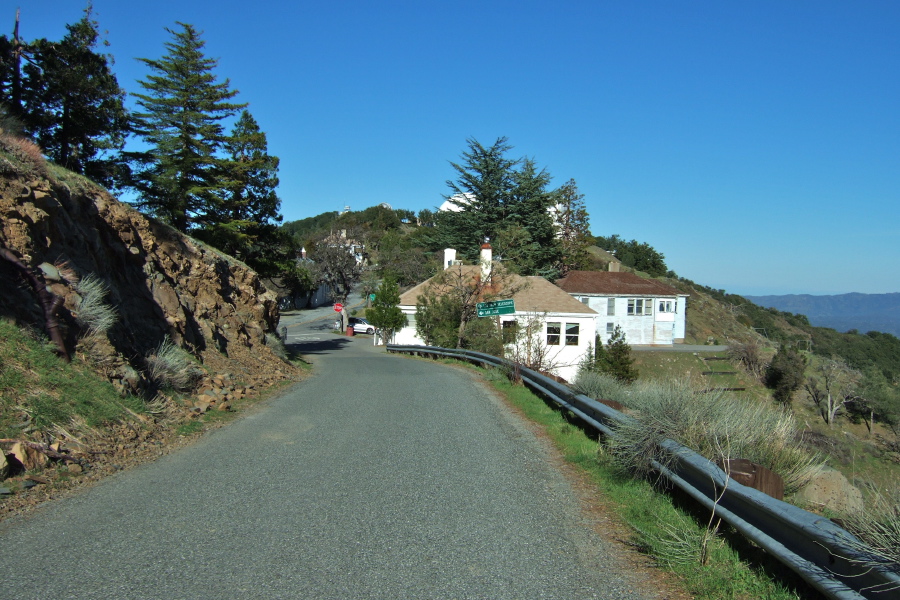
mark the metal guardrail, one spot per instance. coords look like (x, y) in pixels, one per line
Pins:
(812, 546)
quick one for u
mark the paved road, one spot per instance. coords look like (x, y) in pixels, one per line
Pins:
(378, 477)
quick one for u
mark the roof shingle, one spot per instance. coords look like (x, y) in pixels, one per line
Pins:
(613, 283)
(537, 295)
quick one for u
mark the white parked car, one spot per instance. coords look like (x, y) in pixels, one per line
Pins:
(360, 325)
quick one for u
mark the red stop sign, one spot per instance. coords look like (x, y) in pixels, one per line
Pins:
(338, 307)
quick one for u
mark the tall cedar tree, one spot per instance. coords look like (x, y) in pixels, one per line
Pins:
(528, 207)
(179, 179)
(481, 191)
(68, 98)
(505, 200)
(244, 225)
(574, 229)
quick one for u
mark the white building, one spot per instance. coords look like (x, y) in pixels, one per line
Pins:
(648, 311)
(456, 202)
(548, 326)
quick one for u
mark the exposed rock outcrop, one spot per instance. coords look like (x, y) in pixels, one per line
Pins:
(162, 283)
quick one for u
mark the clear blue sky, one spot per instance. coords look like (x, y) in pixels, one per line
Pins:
(755, 144)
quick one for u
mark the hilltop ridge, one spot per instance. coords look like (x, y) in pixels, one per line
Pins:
(863, 312)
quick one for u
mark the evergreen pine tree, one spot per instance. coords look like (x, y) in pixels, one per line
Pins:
(614, 358)
(385, 312)
(529, 207)
(574, 228)
(244, 225)
(482, 190)
(67, 98)
(12, 52)
(179, 179)
(506, 201)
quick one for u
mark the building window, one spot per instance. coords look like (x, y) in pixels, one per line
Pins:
(666, 306)
(610, 328)
(610, 307)
(553, 330)
(584, 299)
(571, 334)
(510, 328)
(640, 306)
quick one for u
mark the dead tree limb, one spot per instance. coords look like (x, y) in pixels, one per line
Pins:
(49, 301)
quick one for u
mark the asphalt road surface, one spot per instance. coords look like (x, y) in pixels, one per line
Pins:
(378, 477)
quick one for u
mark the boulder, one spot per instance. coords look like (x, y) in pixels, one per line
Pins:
(30, 458)
(831, 490)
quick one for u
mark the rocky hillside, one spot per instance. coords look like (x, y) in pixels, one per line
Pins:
(161, 283)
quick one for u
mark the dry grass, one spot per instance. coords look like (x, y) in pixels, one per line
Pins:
(170, 367)
(878, 531)
(21, 156)
(600, 386)
(711, 423)
(94, 314)
(276, 345)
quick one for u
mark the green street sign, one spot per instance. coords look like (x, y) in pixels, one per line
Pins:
(497, 307)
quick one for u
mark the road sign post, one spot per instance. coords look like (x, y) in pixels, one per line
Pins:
(496, 307)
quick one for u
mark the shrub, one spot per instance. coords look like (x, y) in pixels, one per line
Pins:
(171, 367)
(600, 386)
(276, 345)
(784, 374)
(9, 124)
(714, 424)
(749, 356)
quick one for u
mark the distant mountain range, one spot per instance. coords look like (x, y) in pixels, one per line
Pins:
(863, 312)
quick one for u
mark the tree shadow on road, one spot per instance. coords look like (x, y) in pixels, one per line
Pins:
(325, 346)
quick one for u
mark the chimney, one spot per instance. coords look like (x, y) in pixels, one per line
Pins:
(487, 255)
(449, 257)
(614, 266)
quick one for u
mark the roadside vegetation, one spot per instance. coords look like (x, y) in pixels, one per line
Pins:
(40, 391)
(841, 388)
(85, 426)
(709, 563)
